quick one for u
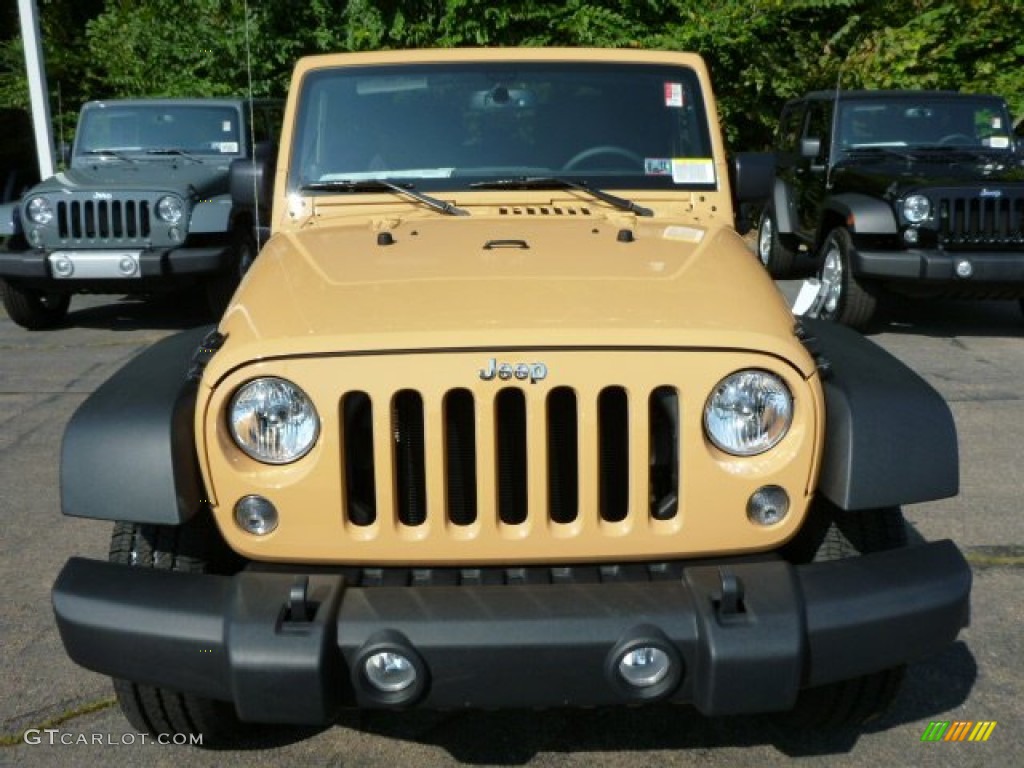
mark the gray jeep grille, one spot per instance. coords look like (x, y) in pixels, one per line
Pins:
(981, 223)
(119, 220)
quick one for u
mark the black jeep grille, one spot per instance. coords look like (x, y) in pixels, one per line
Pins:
(972, 222)
(125, 220)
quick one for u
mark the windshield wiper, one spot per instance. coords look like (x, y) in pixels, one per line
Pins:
(172, 151)
(379, 185)
(555, 182)
(109, 153)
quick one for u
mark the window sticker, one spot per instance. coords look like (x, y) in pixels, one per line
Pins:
(693, 170)
(673, 94)
(997, 142)
(225, 126)
(226, 147)
(657, 166)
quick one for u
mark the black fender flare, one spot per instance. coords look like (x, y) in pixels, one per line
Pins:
(129, 451)
(890, 438)
(784, 208)
(862, 214)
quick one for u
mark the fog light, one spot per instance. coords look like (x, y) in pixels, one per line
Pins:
(256, 515)
(127, 266)
(963, 268)
(910, 236)
(389, 671)
(644, 666)
(174, 233)
(63, 267)
(35, 237)
(768, 505)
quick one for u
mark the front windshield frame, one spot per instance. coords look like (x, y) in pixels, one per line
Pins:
(539, 106)
(922, 122)
(112, 130)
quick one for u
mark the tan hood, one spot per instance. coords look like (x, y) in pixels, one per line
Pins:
(489, 282)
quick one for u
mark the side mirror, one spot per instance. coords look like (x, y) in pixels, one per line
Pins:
(64, 154)
(810, 148)
(753, 176)
(251, 180)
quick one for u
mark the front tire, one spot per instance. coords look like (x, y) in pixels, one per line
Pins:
(834, 534)
(776, 257)
(194, 547)
(846, 301)
(33, 309)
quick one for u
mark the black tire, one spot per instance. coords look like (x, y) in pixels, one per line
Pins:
(776, 257)
(195, 547)
(847, 301)
(832, 534)
(220, 288)
(32, 309)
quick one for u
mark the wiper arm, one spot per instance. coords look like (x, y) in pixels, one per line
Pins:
(378, 185)
(172, 151)
(108, 153)
(556, 182)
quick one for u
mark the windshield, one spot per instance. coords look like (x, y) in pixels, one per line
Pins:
(446, 126)
(922, 122)
(118, 129)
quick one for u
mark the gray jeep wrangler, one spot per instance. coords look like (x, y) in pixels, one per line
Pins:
(144, 206)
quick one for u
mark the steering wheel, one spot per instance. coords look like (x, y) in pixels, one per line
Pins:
(605, 149)
(954, 137)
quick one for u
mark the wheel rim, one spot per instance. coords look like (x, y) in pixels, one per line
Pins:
(832, 278)
(764, 241)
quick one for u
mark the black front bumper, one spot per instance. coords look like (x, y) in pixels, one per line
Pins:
(939, 266)
(33, 268)
(243, 639)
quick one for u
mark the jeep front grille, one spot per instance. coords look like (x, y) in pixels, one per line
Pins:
(981, 223)
(125, 220)
(472, 428)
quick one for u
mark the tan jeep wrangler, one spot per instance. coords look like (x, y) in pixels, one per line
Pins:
(506, 414)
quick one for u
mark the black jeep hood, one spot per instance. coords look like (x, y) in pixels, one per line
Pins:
(205, 179)
(890, 176)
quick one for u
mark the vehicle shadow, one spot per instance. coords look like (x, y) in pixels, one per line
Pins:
(515, 737)
(162, 311)
(946, 318)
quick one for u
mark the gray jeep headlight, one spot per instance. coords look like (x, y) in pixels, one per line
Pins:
(916, 208)
(748, 412)
(170, 209)
(39, 210)
(273, 421)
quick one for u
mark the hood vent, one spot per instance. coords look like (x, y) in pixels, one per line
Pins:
(543, 210)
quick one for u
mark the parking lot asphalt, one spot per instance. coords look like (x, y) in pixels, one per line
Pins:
(55, 713)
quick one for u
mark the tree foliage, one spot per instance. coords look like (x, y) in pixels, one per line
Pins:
(760, 52)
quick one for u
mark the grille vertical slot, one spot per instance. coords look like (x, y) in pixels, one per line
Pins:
(663, 430)
(460, 456)
(510, 428)
(357, 431)
(613, 452)
(563, 455)
(408, 451)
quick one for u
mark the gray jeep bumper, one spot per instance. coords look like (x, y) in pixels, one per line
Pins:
(245, 639)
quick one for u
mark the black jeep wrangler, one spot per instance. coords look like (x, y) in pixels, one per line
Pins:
(918, 193)
(144, 206)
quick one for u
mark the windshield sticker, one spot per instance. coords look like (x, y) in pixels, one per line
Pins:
(998, 142)
(687, 234)
(225, 126)
(693, 170)
(226, 147)
(673, 94)
(657, 166)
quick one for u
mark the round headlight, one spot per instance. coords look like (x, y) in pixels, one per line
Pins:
(748, 412)
(39, 210)
(273, 421)
(916, 208)
(170, 209)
